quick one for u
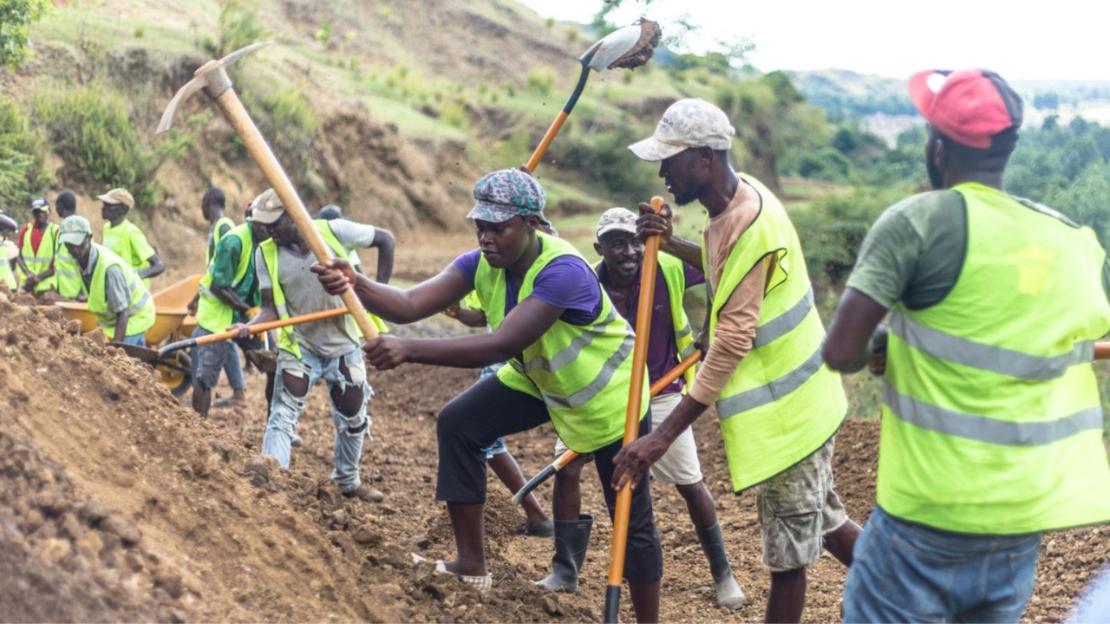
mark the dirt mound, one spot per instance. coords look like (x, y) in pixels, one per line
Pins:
(119, 504)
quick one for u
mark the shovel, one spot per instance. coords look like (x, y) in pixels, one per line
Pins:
(564, 459)
(632, 422)
(629, 47)
(153, 355)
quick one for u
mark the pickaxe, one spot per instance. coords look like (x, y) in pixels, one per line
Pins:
(213, 79)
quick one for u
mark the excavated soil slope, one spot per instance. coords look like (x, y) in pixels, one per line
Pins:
(119, 504)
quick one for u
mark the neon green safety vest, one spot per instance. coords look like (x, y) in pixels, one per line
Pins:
(220, 223)
(67, 273)
(212, 313)
(286, 338)
(782, 403)
(39, 261)
(118, 239)
(674, 276)
(581, 372)
(992, 422)
(140, 312)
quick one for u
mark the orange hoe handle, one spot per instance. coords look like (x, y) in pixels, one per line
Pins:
(632, 420)
(262, 327)
(541, 149)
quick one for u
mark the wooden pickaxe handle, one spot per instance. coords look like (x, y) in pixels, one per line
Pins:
(263, 156)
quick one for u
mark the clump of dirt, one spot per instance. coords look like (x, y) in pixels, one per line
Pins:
(641, 53)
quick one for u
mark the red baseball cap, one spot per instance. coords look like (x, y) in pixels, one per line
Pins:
(969, 106)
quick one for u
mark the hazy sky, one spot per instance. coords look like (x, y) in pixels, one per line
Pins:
(1054, 40)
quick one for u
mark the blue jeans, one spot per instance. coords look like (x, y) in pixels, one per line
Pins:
(139, 340)
(210, 359)
(286, 409)
(906, 572)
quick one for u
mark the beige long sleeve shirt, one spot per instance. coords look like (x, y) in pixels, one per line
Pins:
(740, 314)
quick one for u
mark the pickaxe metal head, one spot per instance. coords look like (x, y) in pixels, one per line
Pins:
(212, 77)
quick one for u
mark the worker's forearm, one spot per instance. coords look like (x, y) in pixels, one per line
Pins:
(390, 303)
(687, 251)
(23, 266)
(45, 275)
(684, 414)
(156, 268)
(385, 261)
(121, 327)
(265, 315)
(473, 351)
(230, 297)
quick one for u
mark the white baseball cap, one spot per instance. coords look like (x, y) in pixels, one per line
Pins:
(685, 124)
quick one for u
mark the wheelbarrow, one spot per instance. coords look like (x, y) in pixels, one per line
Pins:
(179, 295)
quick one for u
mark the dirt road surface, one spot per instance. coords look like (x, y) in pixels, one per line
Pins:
(119, 504)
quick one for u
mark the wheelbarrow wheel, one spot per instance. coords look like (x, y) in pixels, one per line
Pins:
(176, 370)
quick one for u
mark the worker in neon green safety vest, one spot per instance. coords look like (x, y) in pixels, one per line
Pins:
(123, 306)
(992, 427)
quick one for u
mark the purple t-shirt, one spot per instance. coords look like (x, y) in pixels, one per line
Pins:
(566, 282)
(662, 348)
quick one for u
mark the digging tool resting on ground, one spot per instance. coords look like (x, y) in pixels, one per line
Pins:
(627, 48)
(213, 79)
(631, 427)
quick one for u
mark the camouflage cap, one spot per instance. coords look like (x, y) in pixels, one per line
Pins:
(616, 220)
(267, 208)
(504, 194)
(118, 196)
(40, 203)
(74, 230)
(686, 123)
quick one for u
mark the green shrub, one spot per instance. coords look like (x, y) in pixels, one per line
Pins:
(289, 124)
(139, 32)
(92, 133)
(540, 81)
(237, 27)
(454, 114)
(16, 17)
(323, 34)
(23, 173)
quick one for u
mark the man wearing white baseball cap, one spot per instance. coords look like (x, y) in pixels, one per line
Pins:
(779, 405)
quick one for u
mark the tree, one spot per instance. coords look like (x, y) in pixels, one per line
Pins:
(16, 17)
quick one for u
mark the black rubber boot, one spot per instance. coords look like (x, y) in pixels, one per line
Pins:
(729, 594)
(572, 537)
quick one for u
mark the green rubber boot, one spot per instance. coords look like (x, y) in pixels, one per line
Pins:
(572, 537)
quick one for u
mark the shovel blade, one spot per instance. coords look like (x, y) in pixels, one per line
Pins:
(139, 353)
(618, 43)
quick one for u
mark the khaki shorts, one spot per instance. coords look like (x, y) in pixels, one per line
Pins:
(796, 509)
(680, 464)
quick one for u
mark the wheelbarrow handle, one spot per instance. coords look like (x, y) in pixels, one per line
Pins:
(254, 329)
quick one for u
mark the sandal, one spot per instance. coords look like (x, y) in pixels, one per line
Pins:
(226, 402)
(481, 583)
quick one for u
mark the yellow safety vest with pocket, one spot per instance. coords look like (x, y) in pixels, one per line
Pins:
(210, 252)
(782, 403)
(581, 372)
(67, 273)
(118, 240)
(991, 420)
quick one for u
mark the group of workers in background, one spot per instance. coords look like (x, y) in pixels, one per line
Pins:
(991, 420)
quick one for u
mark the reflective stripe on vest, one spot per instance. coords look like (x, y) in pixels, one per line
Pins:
(140, 310)
(212, 313)
(39, 261)
(978, 355)
(581, 372)
(782, 402)
(992, 422)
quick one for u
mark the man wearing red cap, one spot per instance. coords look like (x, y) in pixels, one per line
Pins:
(992, 426)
